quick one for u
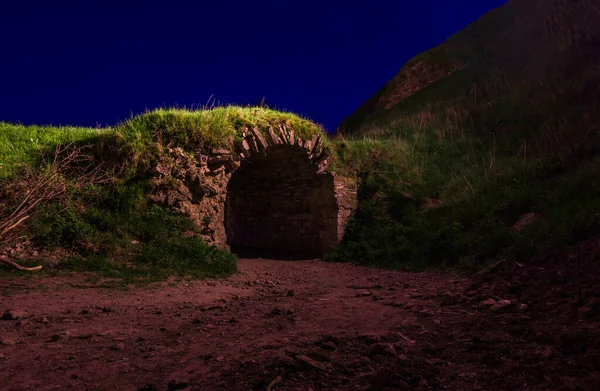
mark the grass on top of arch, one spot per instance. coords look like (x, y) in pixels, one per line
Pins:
(204, 128)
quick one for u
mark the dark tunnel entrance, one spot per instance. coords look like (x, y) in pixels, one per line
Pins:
(279, 205)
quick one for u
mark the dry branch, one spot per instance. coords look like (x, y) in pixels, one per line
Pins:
(35, 188)
(4, 259)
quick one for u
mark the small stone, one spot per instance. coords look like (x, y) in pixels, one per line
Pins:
(177, 384)
(106, 309)
(291, 293)
(489, 302)
(503, 305)
(524, 221)
(2, 356)
(310, 363)
(329, 346)
(330, 338)
(118, 347)
(7, 341)
(363, 294)
(34, 254)
(54, 338)
(13, 315)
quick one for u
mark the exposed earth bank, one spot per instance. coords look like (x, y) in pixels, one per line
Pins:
(302, 325)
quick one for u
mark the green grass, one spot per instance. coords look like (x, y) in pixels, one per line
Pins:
(119, 234)
(426, 202)
(24, 145)
(140, 138)
(215, 128)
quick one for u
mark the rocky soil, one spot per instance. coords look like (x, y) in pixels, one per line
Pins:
(309, 325)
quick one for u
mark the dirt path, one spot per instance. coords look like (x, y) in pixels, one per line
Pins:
(300, 325)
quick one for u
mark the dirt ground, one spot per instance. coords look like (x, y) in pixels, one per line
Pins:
(310, 325)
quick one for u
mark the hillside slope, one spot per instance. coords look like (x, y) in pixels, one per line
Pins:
(483, 147)
(514, 67)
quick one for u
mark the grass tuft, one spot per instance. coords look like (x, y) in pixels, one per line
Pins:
(215, 128)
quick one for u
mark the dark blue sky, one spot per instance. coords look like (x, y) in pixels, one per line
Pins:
(81, 62)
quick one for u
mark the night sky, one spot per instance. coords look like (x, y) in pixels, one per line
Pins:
(85, 62)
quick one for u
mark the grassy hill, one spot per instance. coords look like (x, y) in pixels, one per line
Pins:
(500, 121)
(22, 146)
(84, 192)
(529, 58)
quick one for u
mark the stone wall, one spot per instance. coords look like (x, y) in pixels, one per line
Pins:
(270, 193)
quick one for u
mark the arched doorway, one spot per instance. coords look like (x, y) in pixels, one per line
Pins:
(277, 201)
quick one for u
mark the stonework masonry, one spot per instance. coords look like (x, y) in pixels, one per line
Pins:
(271, 192)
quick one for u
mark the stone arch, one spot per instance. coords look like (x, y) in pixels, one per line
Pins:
(269, 192)
(277, 201)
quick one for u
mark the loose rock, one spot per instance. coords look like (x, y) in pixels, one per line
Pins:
(118, 347)
(13, 315)
(7, 341)
(488, 303)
